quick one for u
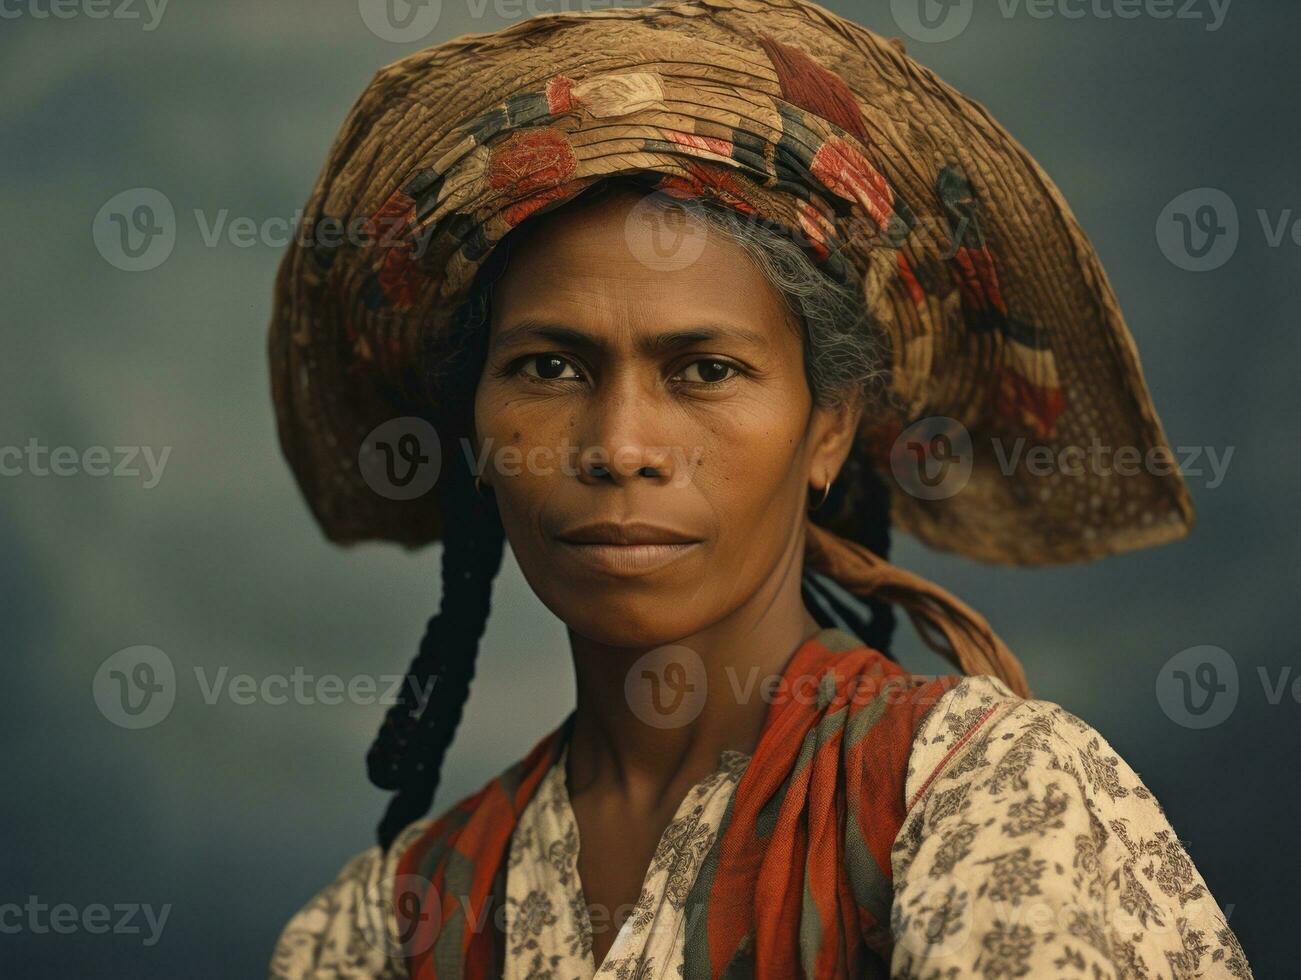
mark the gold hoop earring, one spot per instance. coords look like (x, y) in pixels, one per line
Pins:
(478, 485)
(826, 492)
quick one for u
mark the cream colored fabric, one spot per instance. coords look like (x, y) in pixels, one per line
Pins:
(1034, 850)
(1030, 849)
(548, 926)
(348, 931)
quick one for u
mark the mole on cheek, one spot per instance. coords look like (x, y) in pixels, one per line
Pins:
(515, 437)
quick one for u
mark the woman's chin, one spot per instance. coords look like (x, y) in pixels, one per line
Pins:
(629, 622)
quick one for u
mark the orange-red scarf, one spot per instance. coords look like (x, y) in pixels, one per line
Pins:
(798, 882)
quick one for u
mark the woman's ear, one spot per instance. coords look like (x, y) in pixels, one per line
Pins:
(832, 438)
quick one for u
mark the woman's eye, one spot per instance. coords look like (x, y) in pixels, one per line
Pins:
(549, 367)
(708, 371)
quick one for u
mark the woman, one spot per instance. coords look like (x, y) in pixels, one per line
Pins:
(670, 287)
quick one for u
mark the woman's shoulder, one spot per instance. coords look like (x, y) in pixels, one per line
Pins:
(982, 741)
(345, 929)
(1045, 848)
(966, 715)
(981, 722)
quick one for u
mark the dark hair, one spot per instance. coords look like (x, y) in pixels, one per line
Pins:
(843, 351)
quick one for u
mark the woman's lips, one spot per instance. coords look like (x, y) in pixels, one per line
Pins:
(628, 559)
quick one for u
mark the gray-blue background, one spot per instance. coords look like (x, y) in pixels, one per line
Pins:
(234, 815)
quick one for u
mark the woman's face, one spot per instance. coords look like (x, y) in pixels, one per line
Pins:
(646, 424)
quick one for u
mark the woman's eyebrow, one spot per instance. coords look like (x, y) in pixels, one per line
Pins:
(660, 343)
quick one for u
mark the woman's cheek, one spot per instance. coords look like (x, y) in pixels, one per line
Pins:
(762, 448)
(509, 428)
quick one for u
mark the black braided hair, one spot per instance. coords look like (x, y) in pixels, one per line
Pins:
(407, 755)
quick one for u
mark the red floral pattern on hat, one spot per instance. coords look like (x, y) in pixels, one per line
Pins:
(1016, 400)
(399, 278)
(978, 280)
(531, 160)
(812, 86)
(711, 144)
(560, 94)
(845, 171)
(909, 279)
(703, 180)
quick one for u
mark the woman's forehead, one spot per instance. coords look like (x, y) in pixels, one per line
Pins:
(612, 263)
(642, 335)
(636, 236)
(636, 308)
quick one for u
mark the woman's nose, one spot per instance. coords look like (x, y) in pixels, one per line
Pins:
(624, 439)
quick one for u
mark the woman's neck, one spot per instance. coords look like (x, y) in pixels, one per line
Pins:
(652, 720)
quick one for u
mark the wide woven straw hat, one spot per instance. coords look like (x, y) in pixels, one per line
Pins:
(1002, 326)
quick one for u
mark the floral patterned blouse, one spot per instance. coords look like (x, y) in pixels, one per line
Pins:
(1029, 849)
(548, 928)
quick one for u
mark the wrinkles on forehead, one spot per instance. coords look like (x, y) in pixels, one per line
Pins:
(586, 273)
